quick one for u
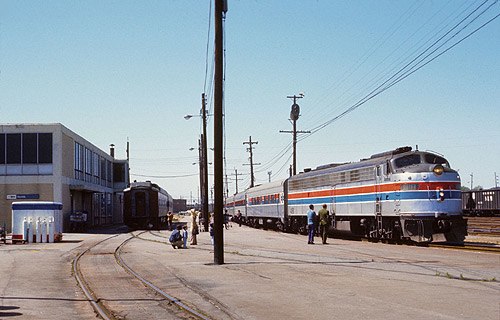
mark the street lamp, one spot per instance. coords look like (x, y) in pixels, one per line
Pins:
(203, 162)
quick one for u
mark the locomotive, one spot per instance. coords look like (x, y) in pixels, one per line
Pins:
(146, 206)
(402, 194)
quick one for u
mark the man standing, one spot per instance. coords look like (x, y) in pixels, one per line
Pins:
(311, 216)
(170, 219)
(239, 217)
(323, 223)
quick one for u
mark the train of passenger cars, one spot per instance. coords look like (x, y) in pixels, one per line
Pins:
(146, 206)
(484, 202)
(402, 194)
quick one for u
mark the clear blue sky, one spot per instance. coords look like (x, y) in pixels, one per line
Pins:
(112, 70)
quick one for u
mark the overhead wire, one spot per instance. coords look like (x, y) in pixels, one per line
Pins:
(383, 74)
(403, 73)
(364, 58)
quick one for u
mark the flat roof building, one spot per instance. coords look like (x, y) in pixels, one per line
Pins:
(49, 162)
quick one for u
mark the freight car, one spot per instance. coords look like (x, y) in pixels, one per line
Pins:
(484, 202)
(399, 194)
(146, 206)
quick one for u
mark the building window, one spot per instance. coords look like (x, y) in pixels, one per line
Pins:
(79, 156)
(27, 148)
(13, 148)
(118, 172)
(30, 148)
(2, 148)
(45, 148)
(88, 165)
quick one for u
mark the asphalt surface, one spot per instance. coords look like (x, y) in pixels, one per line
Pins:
(266, 275)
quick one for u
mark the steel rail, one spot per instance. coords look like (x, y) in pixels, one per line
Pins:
(467, 247)
(151, 285)
(98, 308)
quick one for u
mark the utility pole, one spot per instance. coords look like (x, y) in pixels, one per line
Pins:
(201, 168)
(204, 186)
(269, 174)
(219, 12)
(294, 116)
(236, 174)
(227, 187)
(249, 149)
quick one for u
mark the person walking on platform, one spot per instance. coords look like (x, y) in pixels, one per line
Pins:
(311, 216)
(323, 223)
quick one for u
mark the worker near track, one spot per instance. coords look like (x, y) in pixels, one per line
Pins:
(194, 228)
(239, 218)
(176, 238)
(170, 219)
(324, 216)
(211, 230)
(311, 216)
(185, 236)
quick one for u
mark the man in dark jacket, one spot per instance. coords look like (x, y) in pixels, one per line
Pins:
(323, 223)
(176, 238)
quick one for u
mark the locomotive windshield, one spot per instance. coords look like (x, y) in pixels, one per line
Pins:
(408, 160)
(434, 159)
(419, 159)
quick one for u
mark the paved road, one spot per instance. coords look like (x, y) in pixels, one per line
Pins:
(266, 275)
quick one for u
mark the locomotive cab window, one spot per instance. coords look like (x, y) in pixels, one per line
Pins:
(433, 159)
(407, 161)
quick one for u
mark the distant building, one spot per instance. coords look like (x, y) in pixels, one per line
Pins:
(180, 205)
(49, 162)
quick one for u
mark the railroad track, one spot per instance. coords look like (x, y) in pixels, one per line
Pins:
(105, 312)
(467, 247)
(484, 225)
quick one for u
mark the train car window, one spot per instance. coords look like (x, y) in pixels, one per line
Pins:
(354, 175)
(342, 177)
(408, 160)
(433, 159)
(387, 168)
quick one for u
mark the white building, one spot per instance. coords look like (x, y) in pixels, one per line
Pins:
(49, 162)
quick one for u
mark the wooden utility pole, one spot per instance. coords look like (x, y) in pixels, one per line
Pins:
(236, 174)
(220, 10)
(294, 116)
(249, 149)
(204, 185)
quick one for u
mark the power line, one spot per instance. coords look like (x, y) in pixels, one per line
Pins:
(401, 74)
(164, 177)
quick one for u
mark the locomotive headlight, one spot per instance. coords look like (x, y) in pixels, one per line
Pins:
(440, 194)
(438, 170)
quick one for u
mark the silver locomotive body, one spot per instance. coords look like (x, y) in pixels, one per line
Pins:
(400, 194)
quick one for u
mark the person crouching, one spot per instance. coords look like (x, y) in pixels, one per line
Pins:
(176, 238)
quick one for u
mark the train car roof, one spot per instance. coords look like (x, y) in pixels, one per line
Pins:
(374, 160)
(146, 185)
(265, 186)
